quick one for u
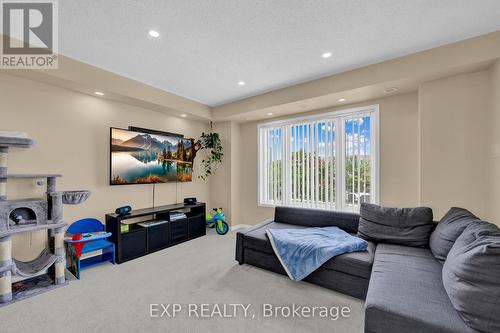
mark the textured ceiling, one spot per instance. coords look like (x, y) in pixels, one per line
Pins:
(207, 46)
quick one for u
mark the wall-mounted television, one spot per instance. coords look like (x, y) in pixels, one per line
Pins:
(147, 157)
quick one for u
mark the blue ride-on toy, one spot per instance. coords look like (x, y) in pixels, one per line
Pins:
(217, 221)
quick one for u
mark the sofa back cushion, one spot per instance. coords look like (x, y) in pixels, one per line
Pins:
(403, 226)
(447, 231)
(317, 218)
(471, 276)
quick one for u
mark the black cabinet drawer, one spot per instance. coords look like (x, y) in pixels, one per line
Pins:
(178, 231)
(134, 244)
(158, 237)
(197, 226)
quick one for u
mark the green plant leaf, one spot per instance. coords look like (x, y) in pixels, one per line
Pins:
(212, 143)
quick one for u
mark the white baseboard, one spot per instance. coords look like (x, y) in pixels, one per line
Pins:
(240, 226)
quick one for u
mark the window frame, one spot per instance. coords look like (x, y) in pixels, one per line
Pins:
(337, 116)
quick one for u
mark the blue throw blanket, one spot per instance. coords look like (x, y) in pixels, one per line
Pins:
(302, 251)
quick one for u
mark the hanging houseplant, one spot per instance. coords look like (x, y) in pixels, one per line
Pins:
(212, 143)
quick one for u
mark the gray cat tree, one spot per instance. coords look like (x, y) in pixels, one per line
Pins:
(26, 215)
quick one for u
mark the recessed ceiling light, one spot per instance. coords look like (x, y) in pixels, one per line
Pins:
(241, 83)
(183, 115)
(269, 113)
(154, 33)
(326, 55)
(342, 99)
(98, 93)
(391, 90)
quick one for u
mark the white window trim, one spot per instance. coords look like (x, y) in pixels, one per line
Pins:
(375, 146)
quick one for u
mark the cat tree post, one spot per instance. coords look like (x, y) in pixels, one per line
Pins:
(59, 251)
(56, 213)
(58, 233)
(5, 274)
(51, 185)
(3, 173)
(5, 242)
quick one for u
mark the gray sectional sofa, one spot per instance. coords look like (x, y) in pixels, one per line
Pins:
(402, 285)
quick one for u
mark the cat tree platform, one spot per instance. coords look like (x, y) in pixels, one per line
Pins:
(32, 175)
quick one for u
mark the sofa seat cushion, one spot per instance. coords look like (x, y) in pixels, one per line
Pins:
(357, 263)
(406, 294)
(354, 263)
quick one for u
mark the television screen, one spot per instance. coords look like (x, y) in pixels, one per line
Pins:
(144, 158)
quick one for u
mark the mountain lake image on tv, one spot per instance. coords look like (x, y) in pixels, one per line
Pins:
(143, 158)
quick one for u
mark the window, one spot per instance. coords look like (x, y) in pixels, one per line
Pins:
(328, 161)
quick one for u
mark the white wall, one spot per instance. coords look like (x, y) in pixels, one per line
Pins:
(453, 122)
(220, 189)
(236, 188)
(71, 133)
(493, 211)
(435, 149)
(398, 157)
(225, 188)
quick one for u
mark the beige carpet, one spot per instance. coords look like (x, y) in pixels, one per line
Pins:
(117, 298)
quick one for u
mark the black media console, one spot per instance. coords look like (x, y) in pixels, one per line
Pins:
(140, 240)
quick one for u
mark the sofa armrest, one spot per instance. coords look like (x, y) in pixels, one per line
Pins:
(239, 239)
(255, 227)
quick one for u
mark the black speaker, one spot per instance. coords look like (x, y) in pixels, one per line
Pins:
(123, 210)
(190, 201)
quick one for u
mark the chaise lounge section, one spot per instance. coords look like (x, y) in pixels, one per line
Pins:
(348, 273)
(406, 294)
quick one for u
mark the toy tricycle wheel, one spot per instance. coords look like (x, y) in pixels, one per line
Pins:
(221, 227)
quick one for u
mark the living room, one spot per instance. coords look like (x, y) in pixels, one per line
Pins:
(314, 129)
